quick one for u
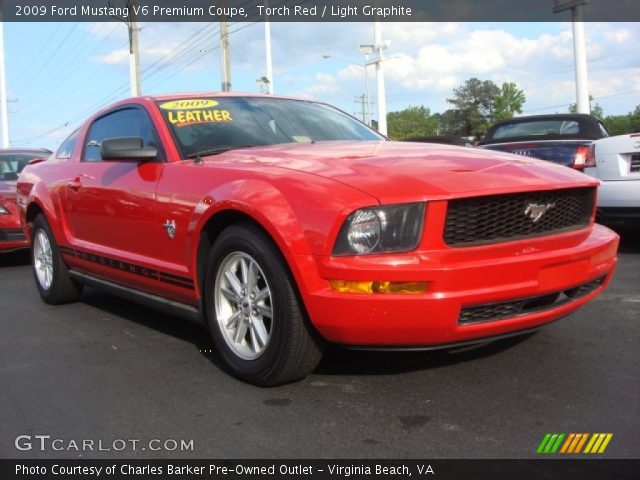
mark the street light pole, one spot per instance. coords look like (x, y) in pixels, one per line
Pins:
(3, 89)
(582, 86)
(380, 89)
(366, 88)
(579, 50)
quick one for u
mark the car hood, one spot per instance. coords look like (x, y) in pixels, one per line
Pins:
(397, 171)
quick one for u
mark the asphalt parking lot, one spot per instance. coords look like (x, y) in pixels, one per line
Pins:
(108, 369)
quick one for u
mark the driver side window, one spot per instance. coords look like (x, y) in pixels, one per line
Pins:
(129, 122)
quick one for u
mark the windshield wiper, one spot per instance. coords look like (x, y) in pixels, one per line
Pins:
(216, 150)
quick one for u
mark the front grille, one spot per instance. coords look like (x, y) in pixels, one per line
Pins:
(500, 218)
(489, 312)
(12, 235)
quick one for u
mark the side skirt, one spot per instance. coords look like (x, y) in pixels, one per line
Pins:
(188, 312)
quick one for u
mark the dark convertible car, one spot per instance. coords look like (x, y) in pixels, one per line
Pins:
(558, 138)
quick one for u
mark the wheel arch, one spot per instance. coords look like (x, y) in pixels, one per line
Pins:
(211, 230)
(35, 208)
(230, 215)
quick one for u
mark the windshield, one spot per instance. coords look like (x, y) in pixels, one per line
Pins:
(537, 128)
(12, 164)
(208, 124)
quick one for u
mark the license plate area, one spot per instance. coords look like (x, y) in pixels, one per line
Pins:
(635, 163)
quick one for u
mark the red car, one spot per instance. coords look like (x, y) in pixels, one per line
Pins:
(284, 224)
(12, 161)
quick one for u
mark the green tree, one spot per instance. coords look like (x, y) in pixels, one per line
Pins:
(474, 103)
(450, 122)
(508, 102)
(623, 124)
(410, 123)
(596, 110)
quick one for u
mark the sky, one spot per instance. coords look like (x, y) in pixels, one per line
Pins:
(60, 73)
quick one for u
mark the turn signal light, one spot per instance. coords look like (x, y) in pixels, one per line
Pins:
(402, 288)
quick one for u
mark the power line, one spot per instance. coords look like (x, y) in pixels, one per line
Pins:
(34, 62)
(197, 57)
(52, 56)
(155, 68)
(629, 92)
(122, 89)
(69, 69)
(47, 133)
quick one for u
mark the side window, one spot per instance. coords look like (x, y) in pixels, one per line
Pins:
(130, 122)
(66, 149)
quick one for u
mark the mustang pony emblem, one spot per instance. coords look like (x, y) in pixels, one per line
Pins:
(535, 211)
(170, 227)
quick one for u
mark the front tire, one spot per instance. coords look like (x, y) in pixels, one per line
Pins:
(49, 270)
(256, 320)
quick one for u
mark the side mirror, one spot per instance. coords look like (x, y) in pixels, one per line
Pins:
(127, 149)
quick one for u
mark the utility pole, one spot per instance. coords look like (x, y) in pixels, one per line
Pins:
(382, 101)
(225, 57)
(360, 102)
(134, 53)
(267, 49)
(225, 53)
(579, 50)
(3, 89)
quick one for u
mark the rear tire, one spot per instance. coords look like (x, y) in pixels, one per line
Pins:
(49, 270)
(257, 322)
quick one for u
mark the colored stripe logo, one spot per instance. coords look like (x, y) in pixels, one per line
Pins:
(574, 443)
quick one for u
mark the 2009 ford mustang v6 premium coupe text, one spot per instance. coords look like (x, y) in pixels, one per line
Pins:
(284, 224)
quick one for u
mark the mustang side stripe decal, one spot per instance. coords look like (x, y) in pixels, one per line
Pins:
(165, 277)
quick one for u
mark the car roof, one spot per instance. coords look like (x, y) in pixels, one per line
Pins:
(554, 116)
(178, 96)
(25, 150)
(175, 96)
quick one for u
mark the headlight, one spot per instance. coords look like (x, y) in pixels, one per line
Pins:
(3, 210)
(389, 228)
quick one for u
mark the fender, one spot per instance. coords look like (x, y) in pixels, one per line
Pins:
(291, 212)
(275, 214)
(40, 196)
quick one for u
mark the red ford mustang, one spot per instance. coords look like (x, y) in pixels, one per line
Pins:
(12, 161)
(284, 223)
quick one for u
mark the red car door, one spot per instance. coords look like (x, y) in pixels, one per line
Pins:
(110, 205)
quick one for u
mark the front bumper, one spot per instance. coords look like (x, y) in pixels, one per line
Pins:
(12, 236)
(456, 279)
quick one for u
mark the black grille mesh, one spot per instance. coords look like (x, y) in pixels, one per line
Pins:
(489, 312)
(499, 218)
(12, 235)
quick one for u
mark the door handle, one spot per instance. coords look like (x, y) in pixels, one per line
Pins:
(74, 184)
